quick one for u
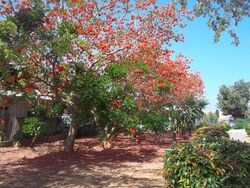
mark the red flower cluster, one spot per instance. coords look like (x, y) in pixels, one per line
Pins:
(138, 71)
(132, 131)
(116, 104)
(29, 88)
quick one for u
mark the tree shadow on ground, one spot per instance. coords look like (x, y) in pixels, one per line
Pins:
(82, 168)
(124, 165)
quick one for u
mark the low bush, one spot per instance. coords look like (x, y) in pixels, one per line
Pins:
(235, 160)
(241, 123)
(202, 124)
(222, 125)
(247, 128)
(205, 136)
(190, 166)
(34, 126)
(226, 164)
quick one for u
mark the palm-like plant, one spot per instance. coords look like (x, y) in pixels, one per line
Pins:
(183, 116)
(192, 111)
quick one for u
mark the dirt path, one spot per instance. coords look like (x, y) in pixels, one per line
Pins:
(126, 165)
(127, 174)
(124, 174)
(238, 134)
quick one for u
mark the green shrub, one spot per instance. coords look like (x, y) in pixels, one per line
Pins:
(227, 164)
(235, 159)
(190, 166)
(205, 136)
(202, 124)
(33, 126)
(224, 126)
(240, 123)
(247, 128)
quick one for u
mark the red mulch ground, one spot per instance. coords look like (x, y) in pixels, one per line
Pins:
(127, 164)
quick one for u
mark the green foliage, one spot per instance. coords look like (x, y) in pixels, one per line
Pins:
(247, 128)
(66, 27)
(117, 71)
(233, 99)
(222, 15)
(205, 136)
(210, 118)
(189, 166)
(155, 121)
(47, 110)
(226, 164)
(202, 124)
(43, 122)
(233, 156)
(241, 123)
(106, 101)
(170, 117)
(33, 126)
(235, 159)
(61, 45)
(185, 115)
(223, 126)
(7, 33)
(7, 29)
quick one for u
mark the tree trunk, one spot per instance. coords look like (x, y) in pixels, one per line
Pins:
(96, 117)
(174, 138)
(33, 141)
(106, 143)
(70, 140)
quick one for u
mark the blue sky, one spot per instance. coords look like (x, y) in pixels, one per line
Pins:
(218, 63)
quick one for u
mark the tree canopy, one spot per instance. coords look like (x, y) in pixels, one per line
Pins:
(223, 15)
(233, 100)
(64, 53)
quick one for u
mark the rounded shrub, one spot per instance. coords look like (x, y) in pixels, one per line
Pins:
(227, 164)
(205, 136)
(222, 125)
(247, 128)
(190, 166)
(235, 160)
(33, 126)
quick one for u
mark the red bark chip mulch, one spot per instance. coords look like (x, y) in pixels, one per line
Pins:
(19, 166)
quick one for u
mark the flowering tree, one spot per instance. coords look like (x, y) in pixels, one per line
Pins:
(46, 46)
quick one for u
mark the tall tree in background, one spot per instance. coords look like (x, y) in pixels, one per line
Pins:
(233, 100)
(47, 46)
